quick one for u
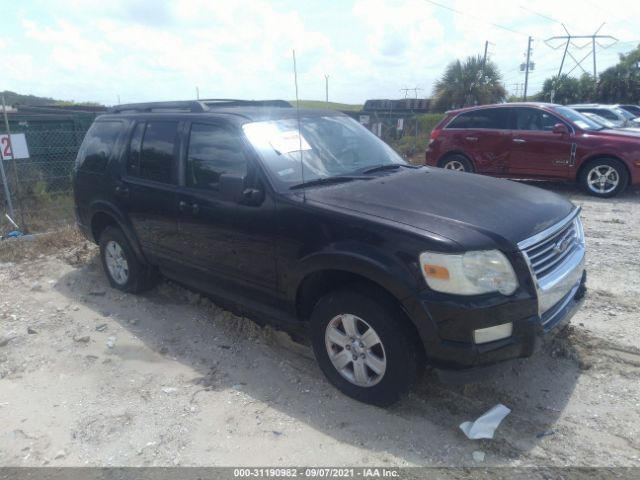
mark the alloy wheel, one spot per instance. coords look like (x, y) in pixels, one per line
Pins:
(116, 262)
(454, 165)
(603, 179)
(355, 350)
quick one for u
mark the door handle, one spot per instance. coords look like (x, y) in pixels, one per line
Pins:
(122, 191)
(519, 140)
(472, 139)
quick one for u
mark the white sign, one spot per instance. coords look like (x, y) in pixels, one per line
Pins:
(364, 119)
(287, 142)
(19, 144)
(400, 124)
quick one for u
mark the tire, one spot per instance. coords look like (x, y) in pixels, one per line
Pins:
(456, 162)
(394, 343)
(604, 177)
(121, 266)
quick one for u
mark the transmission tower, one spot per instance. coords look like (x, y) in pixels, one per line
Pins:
(570, 40)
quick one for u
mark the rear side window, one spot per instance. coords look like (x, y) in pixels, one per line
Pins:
(464, 120)
(98, 146)
(213, 151)
(486, 118)
(151, 154)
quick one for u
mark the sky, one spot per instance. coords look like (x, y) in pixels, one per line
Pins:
(146, 50)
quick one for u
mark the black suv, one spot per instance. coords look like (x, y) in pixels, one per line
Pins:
(306, 220)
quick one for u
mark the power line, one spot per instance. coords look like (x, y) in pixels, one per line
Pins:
(551, 19)
(476, 17)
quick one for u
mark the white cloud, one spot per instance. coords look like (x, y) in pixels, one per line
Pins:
(146, 50)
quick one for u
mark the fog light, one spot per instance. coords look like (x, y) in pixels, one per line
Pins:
(490, 334)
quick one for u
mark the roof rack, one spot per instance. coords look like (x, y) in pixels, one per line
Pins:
(228, 102)
(188, 105)
(194, 106)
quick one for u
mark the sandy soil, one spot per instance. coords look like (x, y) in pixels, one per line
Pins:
(90, 376)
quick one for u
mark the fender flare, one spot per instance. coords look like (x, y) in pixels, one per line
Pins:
(121, 221)
(389, 273)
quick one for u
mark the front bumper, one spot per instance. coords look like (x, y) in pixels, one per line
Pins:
(462, 361)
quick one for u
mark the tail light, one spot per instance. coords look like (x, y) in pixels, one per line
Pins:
(435, 133)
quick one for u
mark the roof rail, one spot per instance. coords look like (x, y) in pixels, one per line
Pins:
(187, 105)
(230, 102)
(195, 106)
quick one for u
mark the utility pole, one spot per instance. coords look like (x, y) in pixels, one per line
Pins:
(197, 93)
(326, 89)
(407, 90)
(484, 58)
(526, 71)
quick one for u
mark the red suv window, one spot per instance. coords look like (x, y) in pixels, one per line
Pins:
(486, 118)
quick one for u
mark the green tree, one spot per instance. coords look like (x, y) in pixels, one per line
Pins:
(621, 83)
(560, 89)
(586, 89)
(469, 83)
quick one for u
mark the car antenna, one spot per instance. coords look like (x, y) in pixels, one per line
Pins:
(295, 78)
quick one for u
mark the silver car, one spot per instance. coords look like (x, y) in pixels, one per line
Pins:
(616, 115)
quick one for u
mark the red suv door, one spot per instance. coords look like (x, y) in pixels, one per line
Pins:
(536, 151)
(484, 136)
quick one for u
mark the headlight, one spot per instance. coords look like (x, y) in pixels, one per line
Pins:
(471, 273)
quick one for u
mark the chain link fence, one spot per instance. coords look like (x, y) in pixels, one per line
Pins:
(405, 131)
(39, 176)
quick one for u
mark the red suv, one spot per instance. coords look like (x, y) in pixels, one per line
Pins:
(536, 141)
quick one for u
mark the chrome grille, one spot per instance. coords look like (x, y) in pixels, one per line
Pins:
(556, 258)
(547, 254)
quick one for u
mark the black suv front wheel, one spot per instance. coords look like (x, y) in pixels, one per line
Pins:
(364, 346)
(123, 269)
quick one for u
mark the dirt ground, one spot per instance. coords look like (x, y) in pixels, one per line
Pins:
(91, 376)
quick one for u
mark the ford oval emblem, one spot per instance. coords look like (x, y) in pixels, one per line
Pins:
(563, 245)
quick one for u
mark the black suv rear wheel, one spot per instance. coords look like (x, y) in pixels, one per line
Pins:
(123, 269)
(364, 346)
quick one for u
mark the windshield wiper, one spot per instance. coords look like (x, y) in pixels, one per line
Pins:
(327, 181)
(388, 166)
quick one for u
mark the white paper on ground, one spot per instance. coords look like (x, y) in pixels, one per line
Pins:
(486, 425)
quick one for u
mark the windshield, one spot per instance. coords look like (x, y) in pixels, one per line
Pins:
(327, 146)
(624, 113)
(578, 118)
(601, 120)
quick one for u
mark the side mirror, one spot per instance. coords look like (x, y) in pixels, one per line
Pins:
(560, 128)
(233, 187)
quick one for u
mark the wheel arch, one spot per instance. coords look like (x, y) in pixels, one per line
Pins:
(599, 156)
(316, 285)
(104, 215)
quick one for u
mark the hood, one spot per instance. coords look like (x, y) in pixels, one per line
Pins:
(475, 211)
(624, 132)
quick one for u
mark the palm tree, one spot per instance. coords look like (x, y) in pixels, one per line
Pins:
(470, 83)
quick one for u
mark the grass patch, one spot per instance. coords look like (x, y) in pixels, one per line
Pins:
(40, 245)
